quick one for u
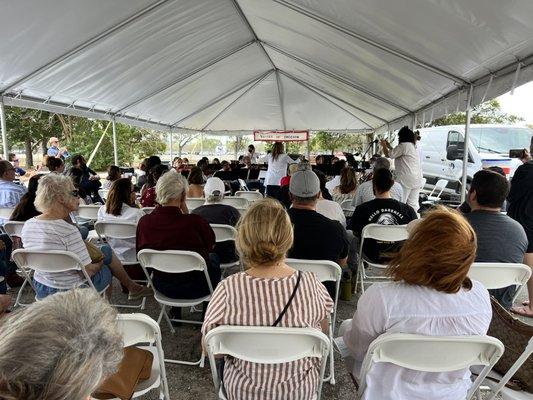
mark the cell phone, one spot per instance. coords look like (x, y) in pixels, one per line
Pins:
(517, 153)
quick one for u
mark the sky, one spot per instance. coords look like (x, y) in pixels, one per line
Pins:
(520, 103)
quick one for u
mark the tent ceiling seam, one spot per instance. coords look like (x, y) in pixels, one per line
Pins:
(91, 42)
(407, 57)
(222, 97)
(317, 92)
(188, 75)
(246, 22)
(337, 78)
(237, 100)
(281, 105)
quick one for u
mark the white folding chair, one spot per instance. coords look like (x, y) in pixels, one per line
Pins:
(5, 212)
(14, 230)
(266, 345)
(147, 210)
(103, 194)
(382, 233)
(433, 354)
(326, 271)
(51, 261)
(225, 233)
(347, 208)
(241, 210)
(194, 202)
(87, 213)
(439, 187)
(140, 328)
(125, 231)
(175, 262)
(240, 202)
(250, 196)
(507, 393)
(242, 185)
(500, 275)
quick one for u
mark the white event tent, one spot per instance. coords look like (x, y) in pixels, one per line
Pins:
(221, 66)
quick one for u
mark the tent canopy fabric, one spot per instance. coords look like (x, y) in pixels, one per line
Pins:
(241, 65)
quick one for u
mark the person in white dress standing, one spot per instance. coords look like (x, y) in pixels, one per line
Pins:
(277, 162)
(407, 165)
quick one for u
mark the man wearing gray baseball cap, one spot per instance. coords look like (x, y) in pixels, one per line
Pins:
(316, 237)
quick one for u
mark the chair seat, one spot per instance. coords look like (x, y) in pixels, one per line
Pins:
(169, 301)
(230, 264)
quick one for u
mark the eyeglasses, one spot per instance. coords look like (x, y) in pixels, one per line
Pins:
(75, 193)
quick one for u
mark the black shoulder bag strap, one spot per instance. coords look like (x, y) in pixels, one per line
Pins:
(289, 301)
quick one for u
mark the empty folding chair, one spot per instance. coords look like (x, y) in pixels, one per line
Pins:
(436, 192)
(266, 345)
(250, 196)
(382, 233)
(225, 233)
(87, 213)
(500, 275)
(51, 261)
(119, 230)
(236, 201)
(433, 354)
(347, 208)
(194, 202)
(326, 271)
(175, 262)
(140, 328)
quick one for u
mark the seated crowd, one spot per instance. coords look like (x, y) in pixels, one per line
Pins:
(430, 292)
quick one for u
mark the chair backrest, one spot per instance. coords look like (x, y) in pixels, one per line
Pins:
(346, 205)
(13, 228)
(223, 232)
(147, 210)
(439, 187)
(137, 328)
(241, 210)
(250, 196)
(266, 345)
(89, 211)
(5, 212)
(116, 229)
(500, 275)
(433, 354)
(194, 202)
(236, 201)
(385, 233)
(325, 270)
(103, 193)
(242, 184)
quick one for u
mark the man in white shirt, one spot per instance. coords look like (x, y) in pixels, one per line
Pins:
(365, 191)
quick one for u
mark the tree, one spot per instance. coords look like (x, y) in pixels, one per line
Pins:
(333, 141)
(237, 145)
(486, 113)
(181, 140)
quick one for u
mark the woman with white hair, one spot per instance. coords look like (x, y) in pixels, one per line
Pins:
(56, 198)
(61, 348)
(170, 227)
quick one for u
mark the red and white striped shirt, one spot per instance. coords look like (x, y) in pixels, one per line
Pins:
(244, 300)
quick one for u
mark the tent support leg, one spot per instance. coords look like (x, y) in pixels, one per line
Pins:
(467, 141)
(3, 125)
(309, 146)
(171, 140)
(115, 148)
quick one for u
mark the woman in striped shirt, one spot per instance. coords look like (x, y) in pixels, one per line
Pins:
(258, 296)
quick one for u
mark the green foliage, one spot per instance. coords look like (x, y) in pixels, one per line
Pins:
(486, 113)
(337, 141)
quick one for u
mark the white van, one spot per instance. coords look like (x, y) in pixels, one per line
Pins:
(441, 151)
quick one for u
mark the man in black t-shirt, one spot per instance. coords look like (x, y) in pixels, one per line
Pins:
(316, 237)
(382, 210)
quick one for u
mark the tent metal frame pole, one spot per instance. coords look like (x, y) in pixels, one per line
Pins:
(466, 143)
(3, 125)
(280, 97)
(222, 97)
(98, 144)
(186, 76)
(89, 43)
(338, 78)
(309, 146)
(407, 57)
(115, 147)
(171, 139)
(321, 93)
(236, 100)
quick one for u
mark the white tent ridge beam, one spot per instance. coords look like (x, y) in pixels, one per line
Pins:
(337, 78)
(280, 96)
(320, 91)
(222, 97)
(317, 92)
(385, 48)
(89, 43)
(252, 31)
(236, 100)
(186, 76)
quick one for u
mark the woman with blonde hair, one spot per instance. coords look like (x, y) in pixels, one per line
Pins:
(346, 190)
(431, 295)
(258, 297)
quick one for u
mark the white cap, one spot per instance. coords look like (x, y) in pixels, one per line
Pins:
(214, 185)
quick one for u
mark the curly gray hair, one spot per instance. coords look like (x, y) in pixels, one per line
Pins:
(51, 188)
(170, 186)
(59, 348)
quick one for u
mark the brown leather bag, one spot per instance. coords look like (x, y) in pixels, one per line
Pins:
(136, 366)
(515, 335)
